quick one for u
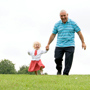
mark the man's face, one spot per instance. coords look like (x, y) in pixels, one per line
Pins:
(64, 16)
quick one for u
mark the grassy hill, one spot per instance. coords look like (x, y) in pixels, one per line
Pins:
(44, 82)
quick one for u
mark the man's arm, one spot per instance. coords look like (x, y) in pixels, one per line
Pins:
(50, 40)
(82, 39)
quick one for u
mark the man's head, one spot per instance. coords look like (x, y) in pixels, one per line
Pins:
(64, 16)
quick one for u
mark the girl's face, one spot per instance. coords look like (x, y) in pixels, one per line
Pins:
(36, 46)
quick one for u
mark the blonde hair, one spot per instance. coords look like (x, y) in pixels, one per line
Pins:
(36, 42)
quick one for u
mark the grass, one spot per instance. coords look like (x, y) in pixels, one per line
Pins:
(44, 82)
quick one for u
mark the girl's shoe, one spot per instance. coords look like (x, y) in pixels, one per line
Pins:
(42, 73)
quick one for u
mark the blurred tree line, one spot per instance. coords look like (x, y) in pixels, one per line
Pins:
(7, 67)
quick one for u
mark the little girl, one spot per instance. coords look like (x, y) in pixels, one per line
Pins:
(36, 63)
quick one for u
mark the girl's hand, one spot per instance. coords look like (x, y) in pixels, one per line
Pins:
(28, 53)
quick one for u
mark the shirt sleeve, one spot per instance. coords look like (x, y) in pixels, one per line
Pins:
(43, 51)
(55, 31)
(76, 28)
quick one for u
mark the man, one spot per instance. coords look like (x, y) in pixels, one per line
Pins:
(65, 30)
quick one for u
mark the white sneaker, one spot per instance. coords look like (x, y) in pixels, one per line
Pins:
(42, 73)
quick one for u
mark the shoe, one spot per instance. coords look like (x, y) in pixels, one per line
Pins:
(58, 73)
(65, 74)
(42, 73)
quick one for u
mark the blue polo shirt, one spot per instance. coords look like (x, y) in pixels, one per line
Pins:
(65, 33)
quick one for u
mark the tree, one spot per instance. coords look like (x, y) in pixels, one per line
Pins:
(24, 70)
(7, 67)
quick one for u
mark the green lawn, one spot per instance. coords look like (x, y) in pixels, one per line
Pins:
(44, 82)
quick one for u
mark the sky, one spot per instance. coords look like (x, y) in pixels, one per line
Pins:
(23, 22)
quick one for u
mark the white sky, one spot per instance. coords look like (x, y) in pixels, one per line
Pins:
(24, 21)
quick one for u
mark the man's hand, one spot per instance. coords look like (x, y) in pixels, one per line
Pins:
(47, 47)
(84, 46)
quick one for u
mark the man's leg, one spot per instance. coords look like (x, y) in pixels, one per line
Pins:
(58, 59)
(69, 51)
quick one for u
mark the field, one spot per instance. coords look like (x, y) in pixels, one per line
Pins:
(44, 82)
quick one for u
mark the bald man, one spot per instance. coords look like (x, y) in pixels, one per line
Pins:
(65, 30)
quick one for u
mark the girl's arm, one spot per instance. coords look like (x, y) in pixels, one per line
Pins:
(44, 51)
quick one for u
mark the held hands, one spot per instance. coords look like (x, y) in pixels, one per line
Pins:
(47, 47)
(84, 46)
